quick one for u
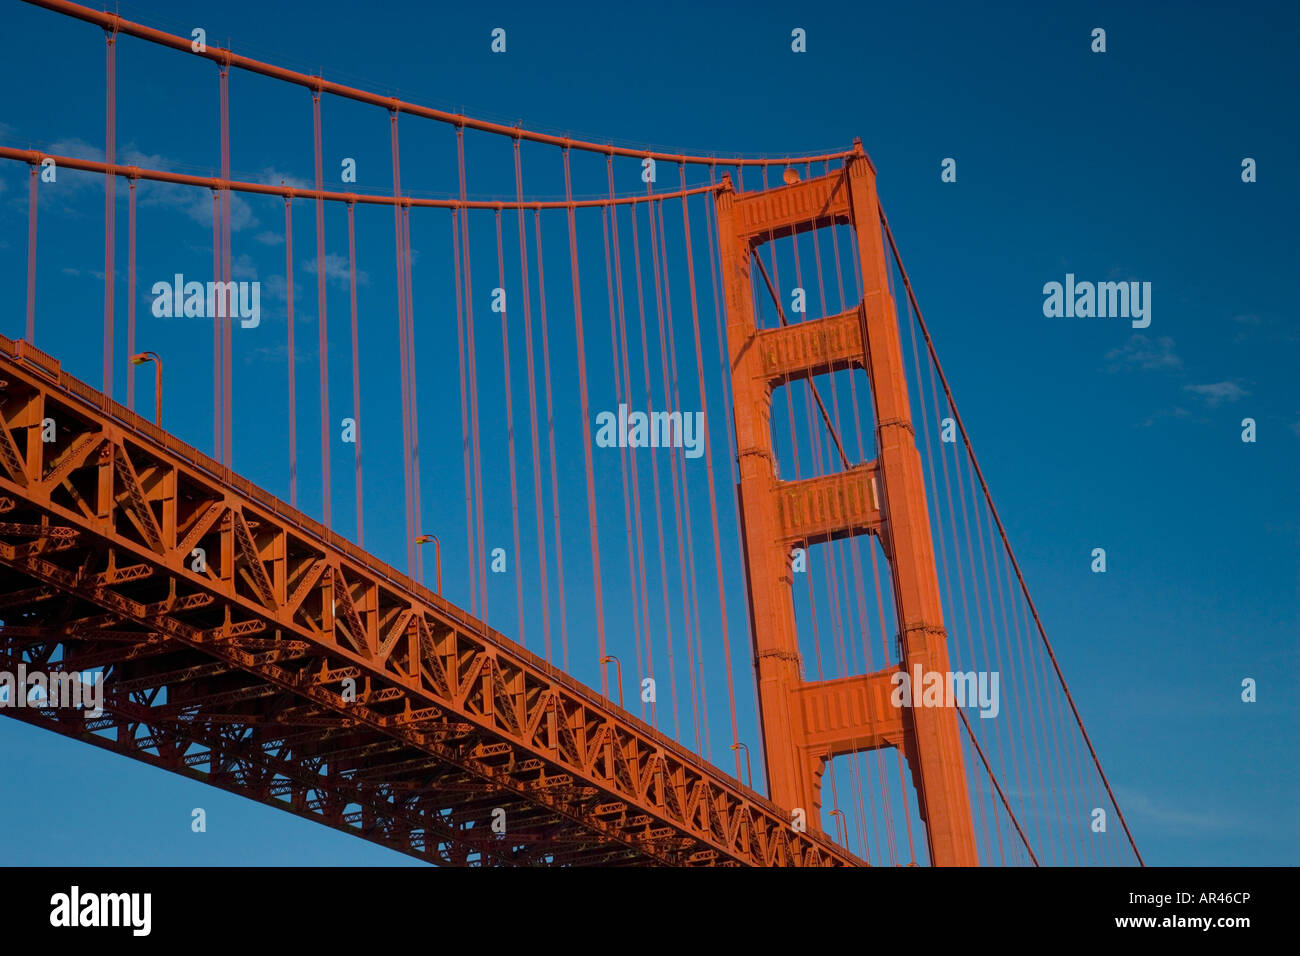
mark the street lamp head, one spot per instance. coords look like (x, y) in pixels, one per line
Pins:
(140, 358)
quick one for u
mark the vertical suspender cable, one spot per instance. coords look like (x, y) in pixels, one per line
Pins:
(891, 836)
(685, 543)
(470, 553)
(510, 436)
(532, 408)
(226, 321)
(356, 367)
(130, 288)
(31, 256)
(997, 646)
(473, 380)
(404, 374)
(843, 586)
(971, 770)
(680, 461)
(794, 440)
(1041, 741)
(221, 303)
(1026, 704)
(320, 314)
(925, 431)
(627, 390)
(586, 423)
(858, 588)
(110, 199)
(416, 515)
(724, 372)
(1002, 532)
(814, 435)
(293, 412)
(550, 434)
(619, 399)
(708, 464)
(218, 428)
(1005, 630)
(659, 521)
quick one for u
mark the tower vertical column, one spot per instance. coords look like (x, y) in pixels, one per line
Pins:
(933, 739)
(771, 598)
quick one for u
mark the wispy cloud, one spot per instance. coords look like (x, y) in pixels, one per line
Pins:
(1179, 819)
(279, 355)
(71, 184)
(1216, 393)
(1140, 352)
(274, 177)
(336, 270)
(242, 266)
(77, 148)
(1248, 325)
(1176, 412)
(194, 202)
(96, 274)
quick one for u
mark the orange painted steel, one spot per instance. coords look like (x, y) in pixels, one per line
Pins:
(115, 24)
(301, 672)
(34, 158)
(807, 723)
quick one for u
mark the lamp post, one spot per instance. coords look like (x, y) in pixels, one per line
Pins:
(437, 555)
(618, 668)
(840, 815)
(140, 359)
(748, 772)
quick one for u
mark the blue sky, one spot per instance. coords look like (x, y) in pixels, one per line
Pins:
(1123, 165)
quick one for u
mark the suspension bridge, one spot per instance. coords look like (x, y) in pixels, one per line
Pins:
(829, 530)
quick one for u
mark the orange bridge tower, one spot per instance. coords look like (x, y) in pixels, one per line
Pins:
(805, 723)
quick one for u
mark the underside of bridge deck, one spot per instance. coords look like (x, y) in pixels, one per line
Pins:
(244, 645)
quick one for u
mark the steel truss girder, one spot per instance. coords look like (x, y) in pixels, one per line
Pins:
(126, 506)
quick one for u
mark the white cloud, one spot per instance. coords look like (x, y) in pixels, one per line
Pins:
(336, 269)
(1216, 392)
(1144, 353)
(274, 177)
(1176, 819)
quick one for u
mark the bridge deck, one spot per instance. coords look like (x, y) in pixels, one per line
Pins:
(248, 646)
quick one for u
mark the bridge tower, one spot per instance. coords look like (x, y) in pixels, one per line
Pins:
(805, 723)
